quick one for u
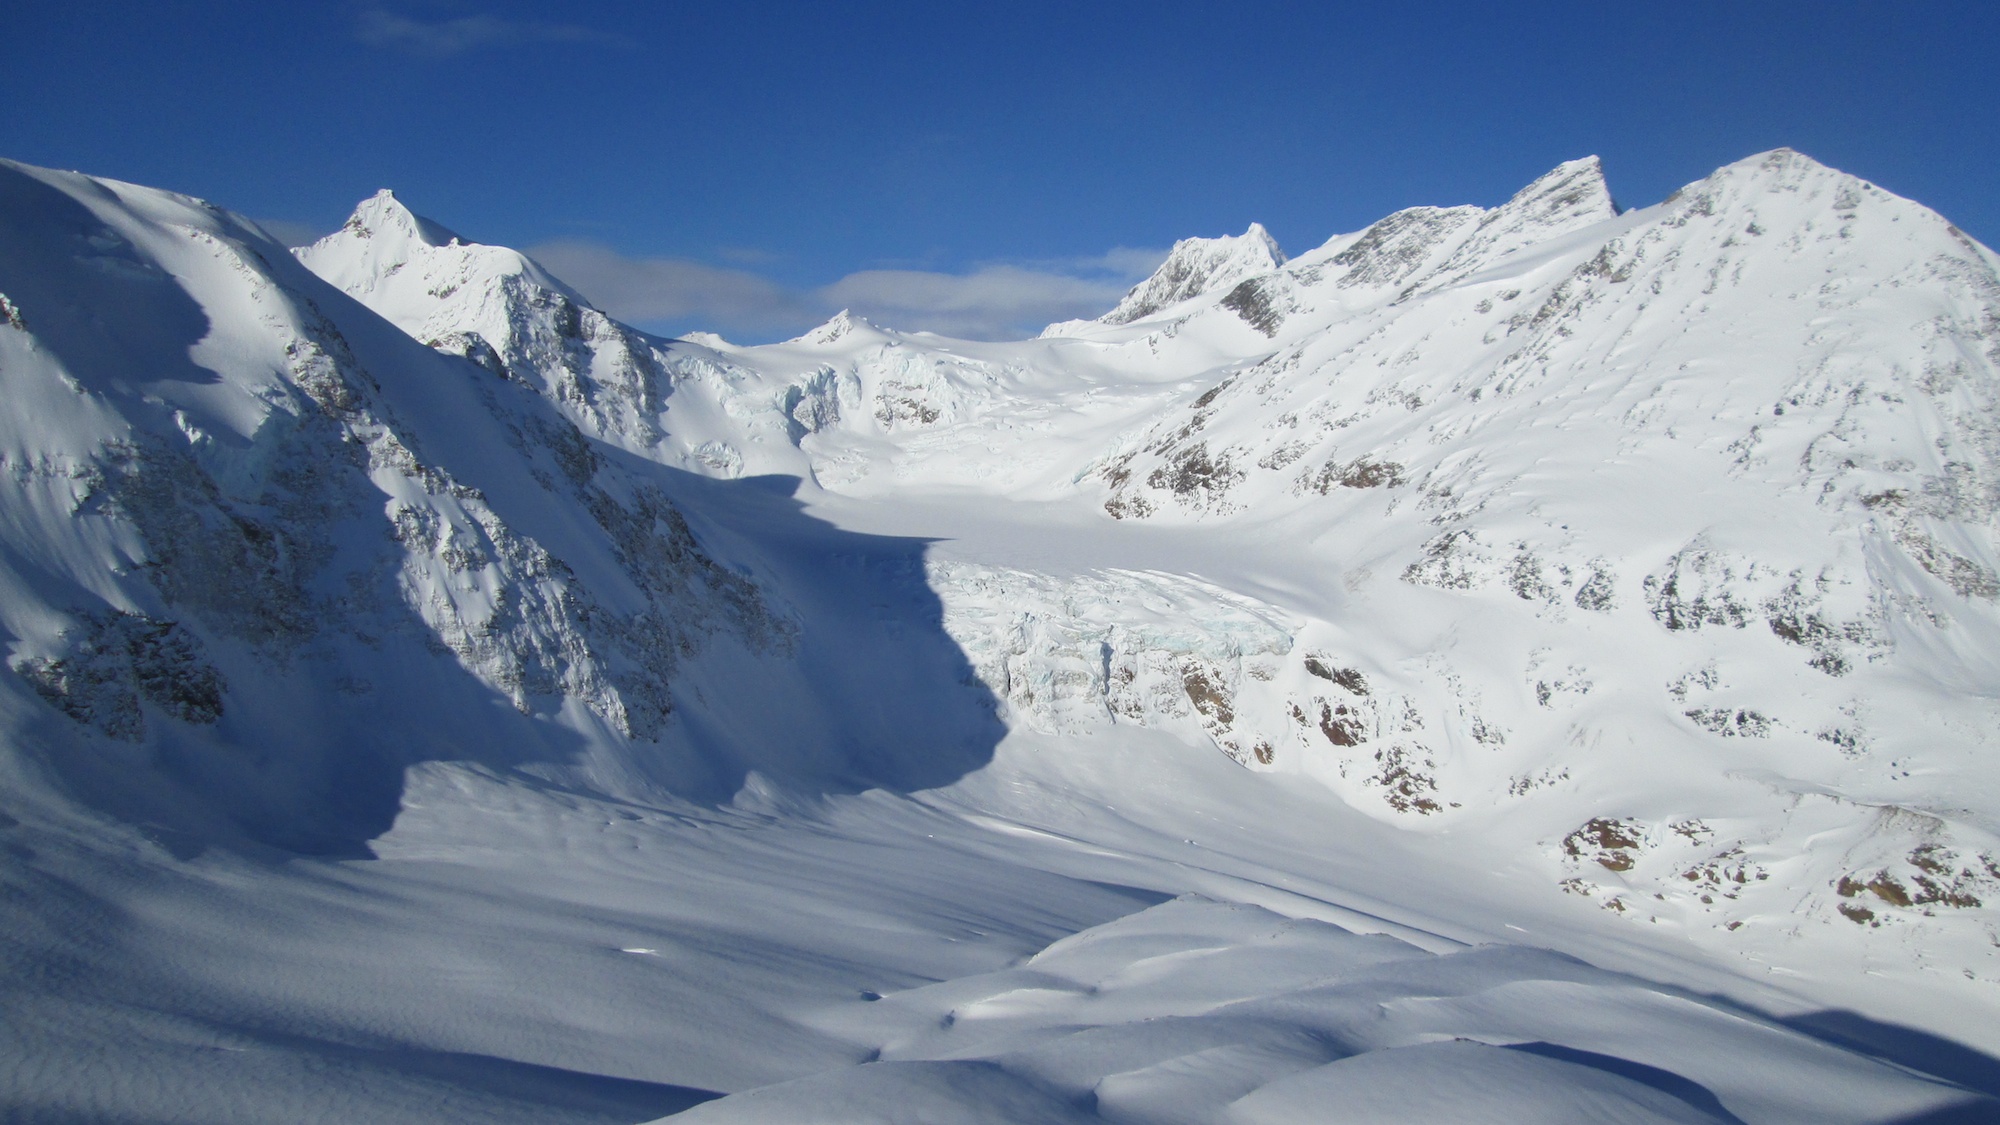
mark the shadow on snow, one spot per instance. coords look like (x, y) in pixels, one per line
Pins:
(297, 596)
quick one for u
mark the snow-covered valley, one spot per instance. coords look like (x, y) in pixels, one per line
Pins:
(1527, 664)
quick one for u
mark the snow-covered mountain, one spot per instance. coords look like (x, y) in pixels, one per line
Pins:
(432, 697)
(1196, 266)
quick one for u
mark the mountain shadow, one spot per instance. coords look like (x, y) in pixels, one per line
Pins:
(1955, 1062)
(269, 593)
(869, 691)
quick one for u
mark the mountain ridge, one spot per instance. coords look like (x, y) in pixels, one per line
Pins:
(1481, 584)
(1518, 298)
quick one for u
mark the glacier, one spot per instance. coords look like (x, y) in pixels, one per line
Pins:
(1533, 663)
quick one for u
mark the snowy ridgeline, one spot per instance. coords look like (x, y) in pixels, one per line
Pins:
(1650, 555)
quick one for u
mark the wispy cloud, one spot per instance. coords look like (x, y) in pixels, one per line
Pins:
(1128, 262)
(991, 301)
(650, 291)
(380, 28)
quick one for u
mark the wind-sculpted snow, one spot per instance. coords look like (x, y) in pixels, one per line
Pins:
(1201, 1011)
(1536, 662)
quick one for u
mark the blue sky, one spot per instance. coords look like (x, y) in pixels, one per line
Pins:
(971, 167)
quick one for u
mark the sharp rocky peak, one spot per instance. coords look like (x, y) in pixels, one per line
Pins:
(379, 238)
(1200, 265)
(382, 215)
(383, 240)
(840, 326)
(1572, 194)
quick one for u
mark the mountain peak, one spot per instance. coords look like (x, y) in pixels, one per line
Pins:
(837, 328)
(1784, 181)
(382, 214)
(1571, 194)
(1566, 198)
(1781, 168)
(1200, 265)
(1258, 235)
(379, 238)
(1650, 562)
(383, 238)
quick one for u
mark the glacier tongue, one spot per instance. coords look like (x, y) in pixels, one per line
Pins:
(1252, 699)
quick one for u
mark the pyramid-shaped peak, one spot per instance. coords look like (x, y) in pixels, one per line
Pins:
(382, 214)
(1200, 265)
(1257, 236)
(838, 327)
(1571, 194)
(384, 238)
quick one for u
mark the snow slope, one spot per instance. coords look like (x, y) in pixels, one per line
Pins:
(1533, 663)
(1661, 542)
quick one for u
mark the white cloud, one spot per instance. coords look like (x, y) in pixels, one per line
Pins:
(1126, 263)
(380, 28)
(1130, 262)
(992, 301)
(652, 291)
(747, 255)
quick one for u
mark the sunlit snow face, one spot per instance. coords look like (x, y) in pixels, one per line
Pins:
(847, 719)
